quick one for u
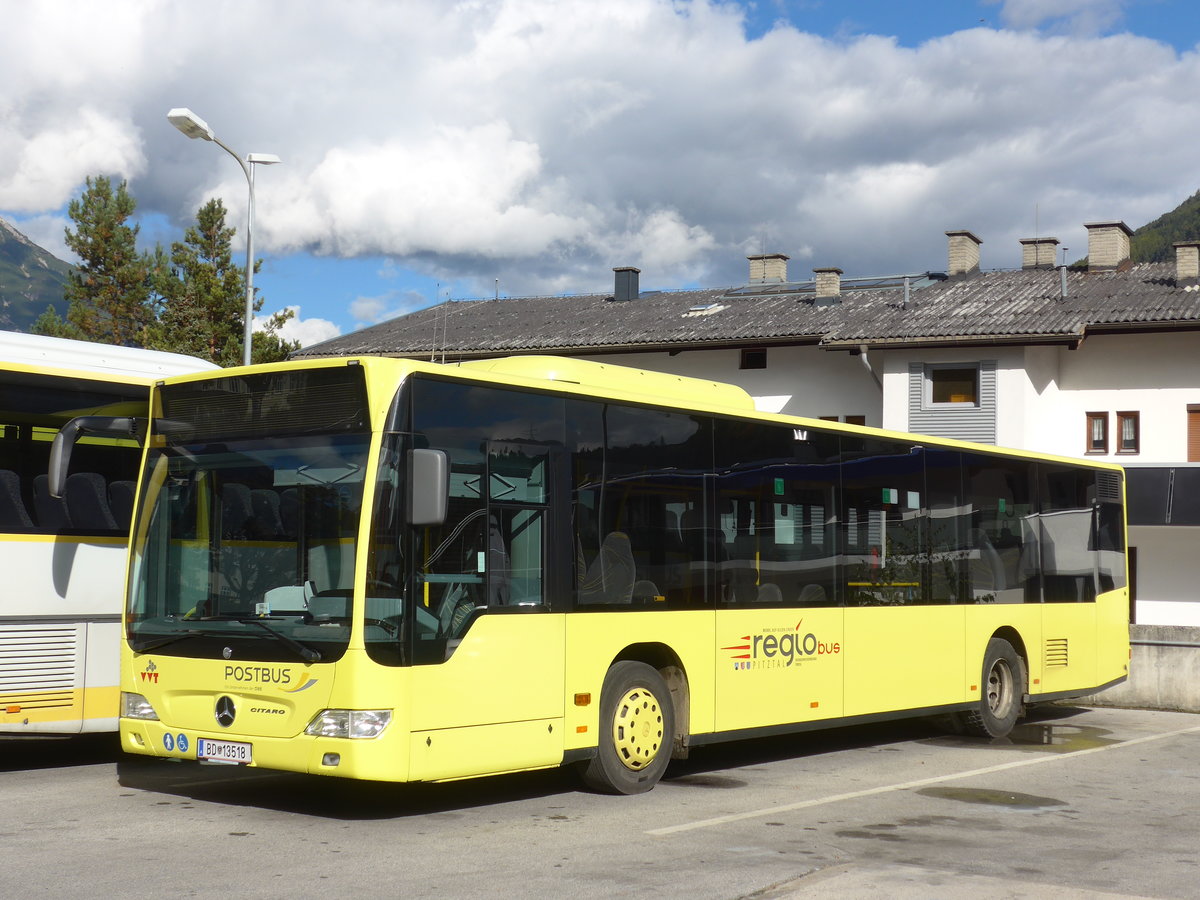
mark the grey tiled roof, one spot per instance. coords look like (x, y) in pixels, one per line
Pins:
(986, 306)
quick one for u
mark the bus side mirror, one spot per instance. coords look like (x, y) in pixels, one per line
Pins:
(64, 443)
(428, 486)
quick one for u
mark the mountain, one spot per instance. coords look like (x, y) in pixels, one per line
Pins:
(30, 280)
(1152, 242)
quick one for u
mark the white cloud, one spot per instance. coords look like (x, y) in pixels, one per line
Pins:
(48, 233)
(1085, 17)
(43, 166)
(373, 310)
(306, 331)
(542, 142)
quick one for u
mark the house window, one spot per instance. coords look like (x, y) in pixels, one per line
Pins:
(856, 420)
(1128, 432)
(953, 384)
(1097, 432)
(753, 358)
(1193, 432)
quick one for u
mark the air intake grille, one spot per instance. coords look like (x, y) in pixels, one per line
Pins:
(1056, 652)
(38, 665)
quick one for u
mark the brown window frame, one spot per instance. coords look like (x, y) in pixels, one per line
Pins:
(1088, 443)
(1122, 416)
(1193, 439)
(753, 358)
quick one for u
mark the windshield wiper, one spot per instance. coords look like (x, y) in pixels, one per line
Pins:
(306, 653)
(166, 639)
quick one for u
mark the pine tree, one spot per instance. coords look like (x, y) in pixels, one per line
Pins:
(109, 292)
(202, 295)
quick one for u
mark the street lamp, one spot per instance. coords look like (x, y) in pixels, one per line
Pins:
(195, 127)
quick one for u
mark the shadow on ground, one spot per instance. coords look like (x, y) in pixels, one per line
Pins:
(710, 767)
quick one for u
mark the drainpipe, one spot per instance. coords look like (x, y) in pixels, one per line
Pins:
(862, 356)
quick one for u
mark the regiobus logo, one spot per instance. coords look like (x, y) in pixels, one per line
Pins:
(779, 648)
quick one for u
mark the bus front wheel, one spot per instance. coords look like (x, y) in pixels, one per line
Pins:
(1001, 689)
(637, 726)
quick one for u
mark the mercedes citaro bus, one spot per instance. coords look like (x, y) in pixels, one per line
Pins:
(395, 570)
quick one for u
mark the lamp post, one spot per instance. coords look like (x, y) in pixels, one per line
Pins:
(195, 127)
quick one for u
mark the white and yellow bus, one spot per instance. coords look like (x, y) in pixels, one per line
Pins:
(393, 570)
(63, 559)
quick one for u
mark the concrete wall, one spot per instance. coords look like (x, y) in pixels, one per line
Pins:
(1164, 672)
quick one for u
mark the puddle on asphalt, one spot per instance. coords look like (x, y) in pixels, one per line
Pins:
(1044, 737)
(989, 797)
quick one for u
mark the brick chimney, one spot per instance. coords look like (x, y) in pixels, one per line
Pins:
(625, 283)
(1187, 262)
(1039, 253)
(768, 268)
(1108, 245)
(829, 282)
(964, 253)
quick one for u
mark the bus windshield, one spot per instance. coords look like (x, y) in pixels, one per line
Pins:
(250, 541)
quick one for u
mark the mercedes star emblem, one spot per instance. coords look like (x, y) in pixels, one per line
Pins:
(225, 711)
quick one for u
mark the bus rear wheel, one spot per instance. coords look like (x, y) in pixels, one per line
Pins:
(637, 726)
(1001, 688)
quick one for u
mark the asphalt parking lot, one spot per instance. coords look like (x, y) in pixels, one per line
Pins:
(1077, 803)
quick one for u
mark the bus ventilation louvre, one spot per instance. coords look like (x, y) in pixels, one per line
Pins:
(271, 404)
(1057, 652)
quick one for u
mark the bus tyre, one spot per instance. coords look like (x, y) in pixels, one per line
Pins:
(1002, 687)
(637, 727)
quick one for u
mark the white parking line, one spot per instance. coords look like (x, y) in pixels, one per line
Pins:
(907, 785)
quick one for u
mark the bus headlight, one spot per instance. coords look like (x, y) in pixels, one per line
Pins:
(349, 723)
(135, 706)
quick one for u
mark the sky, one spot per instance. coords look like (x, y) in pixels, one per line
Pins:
(437, 150)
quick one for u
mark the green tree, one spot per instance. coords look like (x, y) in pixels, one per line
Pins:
(109, 292)
(202, 295)
(50, 323)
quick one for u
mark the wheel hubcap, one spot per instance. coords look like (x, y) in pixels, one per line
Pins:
(637, 728)
(1000, 689)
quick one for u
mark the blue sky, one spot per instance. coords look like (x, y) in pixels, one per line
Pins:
(435, 151)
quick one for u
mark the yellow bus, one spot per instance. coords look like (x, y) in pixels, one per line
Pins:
(394, 570)
(63, 559)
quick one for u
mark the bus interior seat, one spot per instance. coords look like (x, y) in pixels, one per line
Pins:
(120, 500)
(86, 496)
(812, 595)
(51, 511)
(645, 591)
(236, 510)
(267, 520)
(610, 577)
(289, 512)
(742, 568)
(768, 592)
(988, 572)
(13, 514)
